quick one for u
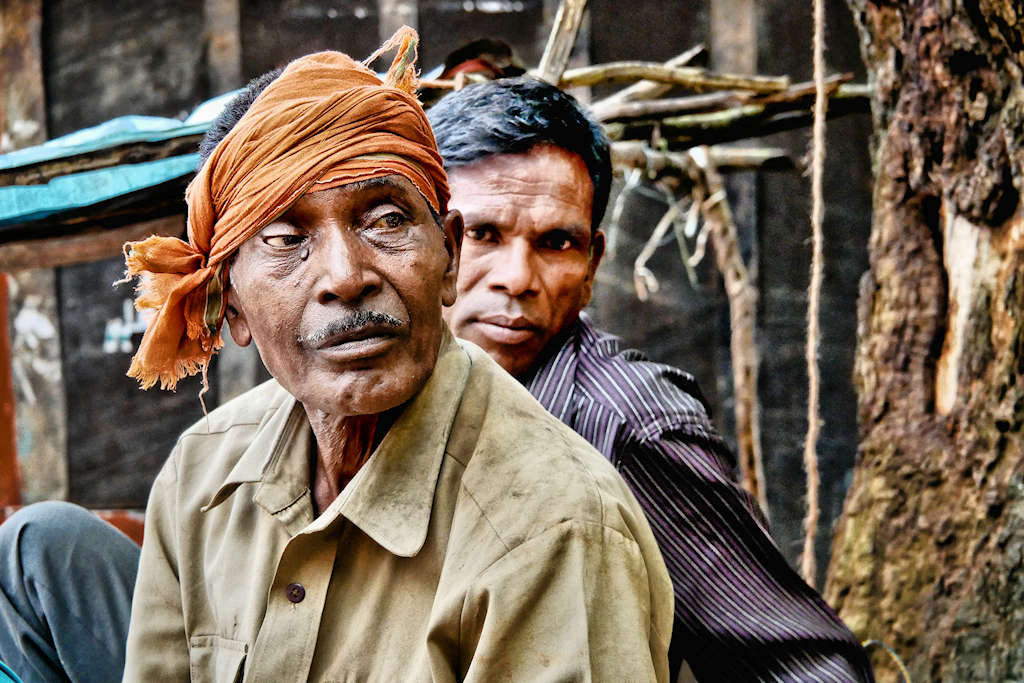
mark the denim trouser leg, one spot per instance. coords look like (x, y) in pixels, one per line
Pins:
(66, 582)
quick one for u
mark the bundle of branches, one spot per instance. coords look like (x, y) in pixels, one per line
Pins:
(742, 107)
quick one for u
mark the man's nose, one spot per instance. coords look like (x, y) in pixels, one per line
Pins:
(346, 271)
(513, 272)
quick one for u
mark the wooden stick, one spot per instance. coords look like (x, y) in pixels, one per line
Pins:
(691, 77)
(802, 93)
(672, 106)
(634, 154)
(745, 121)
(650, 89)
(742, 295)
(560, 42)
(460, 81)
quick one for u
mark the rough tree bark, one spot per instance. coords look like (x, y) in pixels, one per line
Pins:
(928, 554)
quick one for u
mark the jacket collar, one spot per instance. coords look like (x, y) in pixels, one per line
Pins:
(392, 496)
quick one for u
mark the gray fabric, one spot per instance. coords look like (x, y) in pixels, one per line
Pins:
(66, 581)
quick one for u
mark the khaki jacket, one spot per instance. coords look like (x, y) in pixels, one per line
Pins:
(482, 541)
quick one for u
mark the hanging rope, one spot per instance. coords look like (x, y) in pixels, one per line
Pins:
(868, 644)
(807, 563)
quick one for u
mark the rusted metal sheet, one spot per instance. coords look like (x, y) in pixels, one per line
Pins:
(130, 522)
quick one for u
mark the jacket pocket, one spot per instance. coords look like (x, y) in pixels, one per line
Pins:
(212, 659)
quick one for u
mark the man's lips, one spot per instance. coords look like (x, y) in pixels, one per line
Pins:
(504, 329)
(355, 344)
(360, 334)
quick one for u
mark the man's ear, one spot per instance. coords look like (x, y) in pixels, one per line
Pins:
(237, 324)
(596, 253)
(451, 229)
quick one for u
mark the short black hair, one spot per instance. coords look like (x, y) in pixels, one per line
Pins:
(233, 112)
(511, 116)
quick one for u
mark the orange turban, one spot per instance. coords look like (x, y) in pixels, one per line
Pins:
(325, 121)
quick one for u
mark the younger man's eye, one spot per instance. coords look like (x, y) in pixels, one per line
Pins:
(558, 241)
(483, 234)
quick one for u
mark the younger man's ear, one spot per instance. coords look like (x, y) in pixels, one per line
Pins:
(597, 245)
(451, 229)
(237, 324)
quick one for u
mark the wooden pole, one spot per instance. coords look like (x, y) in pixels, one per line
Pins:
(742, 294)
(32, 352)
(10, 485)
(734, 49)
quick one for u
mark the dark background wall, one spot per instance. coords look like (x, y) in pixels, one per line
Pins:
(103, 60)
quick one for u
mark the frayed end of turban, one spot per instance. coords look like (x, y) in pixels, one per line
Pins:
(169, 374)
(185, 332)
(402, 74)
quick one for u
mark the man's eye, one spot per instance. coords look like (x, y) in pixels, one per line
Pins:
(557, 241)
(394, 219)
(480, 234)
(281, 241)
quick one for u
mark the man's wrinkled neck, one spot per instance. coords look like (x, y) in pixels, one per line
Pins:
(341, 446)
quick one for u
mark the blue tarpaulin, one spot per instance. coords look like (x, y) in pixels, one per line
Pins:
(20, 204)
(120, 131)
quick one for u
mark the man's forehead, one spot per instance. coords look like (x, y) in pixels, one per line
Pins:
(505, 186)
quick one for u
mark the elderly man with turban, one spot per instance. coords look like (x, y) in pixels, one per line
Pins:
(392, 505)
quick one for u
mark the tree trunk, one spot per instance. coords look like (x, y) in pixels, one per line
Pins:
(928, 554)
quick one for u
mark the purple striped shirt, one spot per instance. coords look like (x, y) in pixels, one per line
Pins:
(741, 612)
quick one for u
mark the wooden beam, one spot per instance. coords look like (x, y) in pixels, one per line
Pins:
(690, 77)
(734, 36)
(223, 45)
(649, 90)
(83, 247)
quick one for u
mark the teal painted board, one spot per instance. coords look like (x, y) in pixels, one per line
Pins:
(21, 204)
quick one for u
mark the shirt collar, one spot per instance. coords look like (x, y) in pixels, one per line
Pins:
(275, 436)
(392, 496)
(553, 381)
